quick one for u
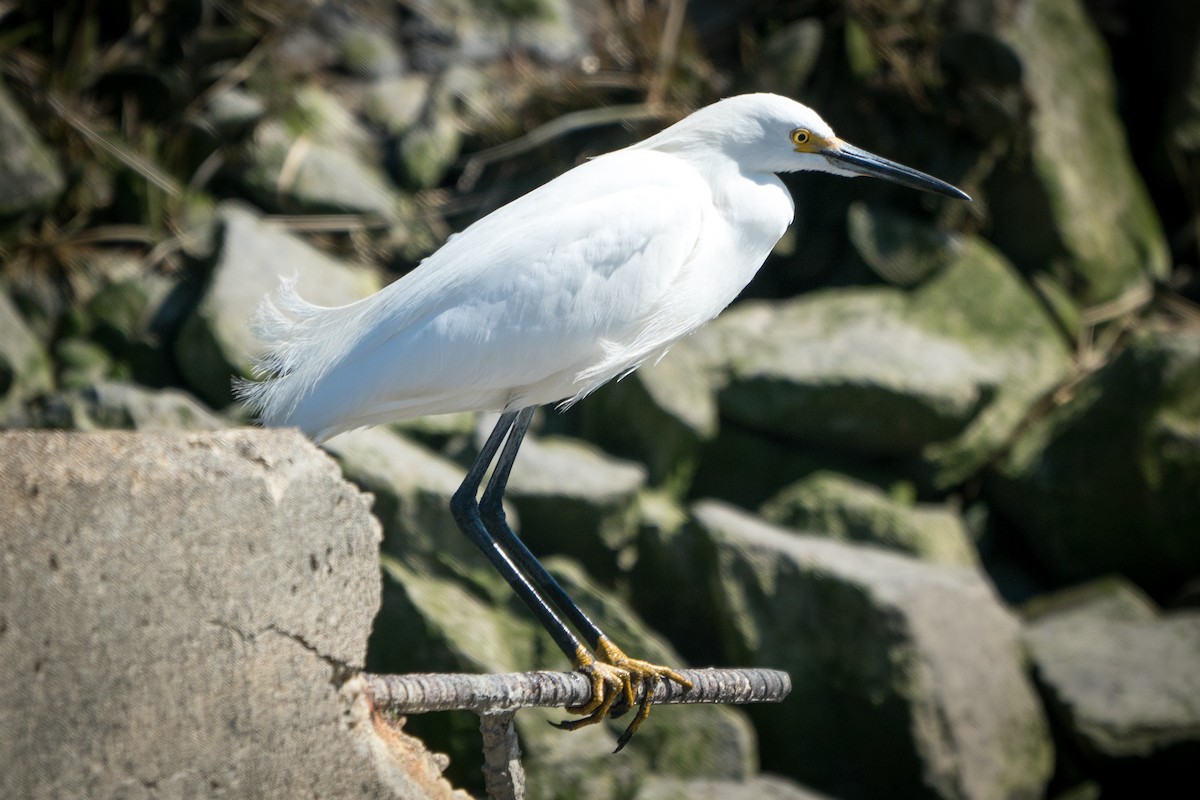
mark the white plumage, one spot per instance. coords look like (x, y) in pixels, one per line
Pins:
(545, 299)
(561, 290)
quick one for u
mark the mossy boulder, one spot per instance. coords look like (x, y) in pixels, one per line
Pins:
(252, 256)
(1080, 210)
(30, 178)
(908, 677)
(1120, 681)
(941, 374)
(1108, 480)
(25, 371)
(833, 505)
(661, 415)
(576, 500)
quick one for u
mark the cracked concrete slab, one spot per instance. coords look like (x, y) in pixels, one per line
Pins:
(179, 614)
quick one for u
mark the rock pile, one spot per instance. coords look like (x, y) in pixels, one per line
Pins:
(942, 463)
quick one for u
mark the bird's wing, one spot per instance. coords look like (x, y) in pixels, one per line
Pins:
(517, 306)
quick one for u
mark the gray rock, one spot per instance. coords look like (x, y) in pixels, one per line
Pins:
(110, 405)
(1127, 690)
(448, 32)
(702, 741)
(944, 373)
(194, 601)
(30, 178)
(234, 111)
(253, 255)
(482, 98)
(765, 787)
(788, 58)
(428, 149)
(318, 157)
(1084, 200)
(748, 468)
(330, 118)
(81, 362)
(24, 367)
(1111, 598)
(908, 678)
(575, 500)
(987, 75)
(833, 505)
(670, 581)
(452, 431)
(291, 173)
(412, 488)
(900, 249)
(120, 321)
(1107, 481)
(395, 104)
(661, 415)
(365, 50)
(847, 368)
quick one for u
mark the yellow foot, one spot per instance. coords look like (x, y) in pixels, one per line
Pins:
(614, 674)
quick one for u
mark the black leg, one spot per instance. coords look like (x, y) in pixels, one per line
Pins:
(613, 674)
(466, 513)
(491, 508)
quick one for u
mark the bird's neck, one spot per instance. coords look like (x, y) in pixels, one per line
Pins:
(755, 201)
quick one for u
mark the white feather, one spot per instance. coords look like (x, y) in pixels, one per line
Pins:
(577, 283)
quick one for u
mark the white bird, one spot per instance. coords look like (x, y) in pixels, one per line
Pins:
(547, 298)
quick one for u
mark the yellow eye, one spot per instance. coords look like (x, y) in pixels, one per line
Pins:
(801, 137)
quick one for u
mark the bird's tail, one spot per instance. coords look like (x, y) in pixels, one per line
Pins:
(299, 352)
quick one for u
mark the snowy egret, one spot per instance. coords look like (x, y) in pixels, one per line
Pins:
(542, 301)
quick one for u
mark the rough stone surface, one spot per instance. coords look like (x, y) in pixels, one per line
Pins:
(1125, 689)
(748, 468)
(1111, 598)
(944, 373)
(661, 415)
(848, 369)
(295, 174)
(834, 505)
(24, 368)
(574, 499)
(1108, 481)
(908, 677)
(1085, 199)
(178, 612)
(899, 249)
(451, 32)
(234, 110)
(395, 104)
(761, 788)
(429, 148)
(111, 405)
(216, 342)
(412, 488)
(29, 175)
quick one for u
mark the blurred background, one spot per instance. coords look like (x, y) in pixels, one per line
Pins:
(941, 462)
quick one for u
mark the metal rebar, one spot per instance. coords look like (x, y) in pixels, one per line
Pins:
(424, 692)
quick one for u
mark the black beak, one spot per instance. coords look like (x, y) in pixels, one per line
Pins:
(859, 162)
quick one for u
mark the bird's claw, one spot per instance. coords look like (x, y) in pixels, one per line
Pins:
(613, 675)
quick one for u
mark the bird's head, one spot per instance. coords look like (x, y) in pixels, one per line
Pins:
(770, 133)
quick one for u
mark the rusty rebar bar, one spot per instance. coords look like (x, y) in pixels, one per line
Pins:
(496, 698)
(424, 692)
